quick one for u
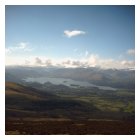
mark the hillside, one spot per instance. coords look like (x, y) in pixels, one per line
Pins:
(48, 108)
(83, 110)
(21, 98)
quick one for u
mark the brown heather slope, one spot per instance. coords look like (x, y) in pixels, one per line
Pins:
(69, 127)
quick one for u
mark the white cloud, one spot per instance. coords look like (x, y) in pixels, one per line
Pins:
(86, 53)
(15, 60)
(92, 60)
(73, 33)
(131, 52)
(7, 50)
(96, 61)
(128, 63)
(22, 45)
(48, 62)
(67, 62)
(27, 62)
(18, 48)
(38, 61)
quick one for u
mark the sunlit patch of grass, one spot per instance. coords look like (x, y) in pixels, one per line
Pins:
(125, 93)
(130, 107)
(21, 95)
(103, 104)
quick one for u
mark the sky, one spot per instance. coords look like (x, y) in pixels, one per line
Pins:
(70, 36)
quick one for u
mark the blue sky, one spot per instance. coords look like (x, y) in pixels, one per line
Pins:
(70, 35)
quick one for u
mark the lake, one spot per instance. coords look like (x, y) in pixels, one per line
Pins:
(66, 82)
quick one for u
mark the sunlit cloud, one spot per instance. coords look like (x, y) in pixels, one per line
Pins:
(38, 61)
(48, 62)
(131, 52)
(27, 62)
(92, 60)
(86, 60)
(8, 50)
(128, 63)
(73, 33)
(86, 53)
(20, 47)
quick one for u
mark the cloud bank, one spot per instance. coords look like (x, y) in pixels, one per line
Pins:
(14, 57)
(89, 61)
(73, 33)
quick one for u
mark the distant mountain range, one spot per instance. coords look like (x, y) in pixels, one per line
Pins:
(116, 78)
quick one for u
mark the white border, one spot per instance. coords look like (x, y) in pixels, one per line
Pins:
(137, 68)
(2, 69)
(69, 2)
(65, 2)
